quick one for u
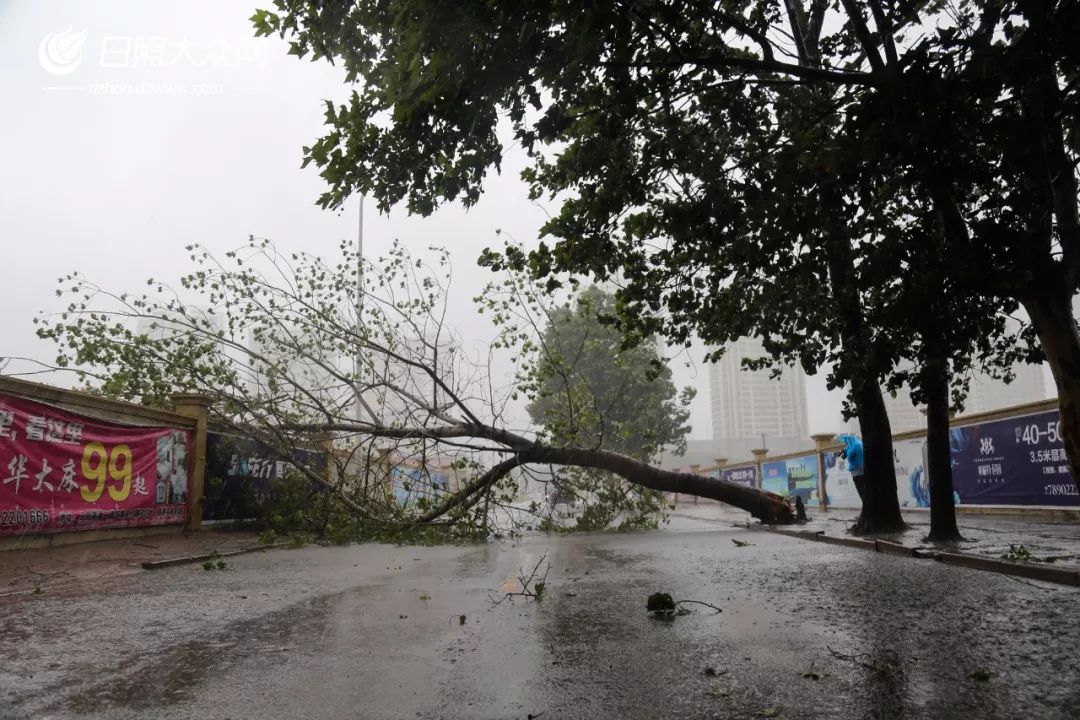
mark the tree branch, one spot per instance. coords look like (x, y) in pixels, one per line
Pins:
(762, 67)
(862, 32)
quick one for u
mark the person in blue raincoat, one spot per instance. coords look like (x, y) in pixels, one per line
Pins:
(853, 453)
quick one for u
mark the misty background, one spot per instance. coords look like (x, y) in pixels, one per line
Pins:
(135, 128)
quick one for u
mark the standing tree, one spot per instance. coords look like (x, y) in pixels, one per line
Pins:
(630, 108)
(594, 391)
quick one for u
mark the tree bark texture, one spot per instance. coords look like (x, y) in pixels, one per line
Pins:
(881, 507)
(767, 507)
(1051, 315)
(939, 457)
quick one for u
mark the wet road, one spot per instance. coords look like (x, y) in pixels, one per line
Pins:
(808, 631)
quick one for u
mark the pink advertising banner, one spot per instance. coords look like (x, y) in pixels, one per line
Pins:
(60, 471)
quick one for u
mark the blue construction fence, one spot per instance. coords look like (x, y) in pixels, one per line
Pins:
(1012, 458)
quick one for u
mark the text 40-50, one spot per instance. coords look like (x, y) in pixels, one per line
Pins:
(1033, 434)
(100, 465)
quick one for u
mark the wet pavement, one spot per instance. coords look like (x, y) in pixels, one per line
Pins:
(1048, 541)
(374, 631)
(26, 570)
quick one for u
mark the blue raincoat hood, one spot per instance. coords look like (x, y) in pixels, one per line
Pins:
(854, 451)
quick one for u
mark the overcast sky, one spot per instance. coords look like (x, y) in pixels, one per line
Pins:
(133, 128)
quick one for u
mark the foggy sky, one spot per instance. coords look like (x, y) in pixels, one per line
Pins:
(115, 185)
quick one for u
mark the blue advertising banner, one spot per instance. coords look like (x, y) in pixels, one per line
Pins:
(839, 487)
(1015, 461)
(912, 483)
(411, 483)
(743, 475)
(912, 480)
(795, 476)
(240, 472)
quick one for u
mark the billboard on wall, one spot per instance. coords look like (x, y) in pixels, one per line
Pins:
(1014, 461)
(240, 472)
(411, 483)
(60, 471)
(794, 476)
(912, 480)
(839, 487)
(912, 486)
(740, 475)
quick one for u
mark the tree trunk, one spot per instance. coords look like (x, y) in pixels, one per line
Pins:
(1051, 315)
(881, 508)
(767, 507)
(939, 457)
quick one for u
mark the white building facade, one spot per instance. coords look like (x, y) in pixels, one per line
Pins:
(750, 407)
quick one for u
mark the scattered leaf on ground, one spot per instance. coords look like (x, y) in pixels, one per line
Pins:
(980, 676)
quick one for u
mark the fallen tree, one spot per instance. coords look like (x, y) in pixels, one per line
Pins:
(357, 357)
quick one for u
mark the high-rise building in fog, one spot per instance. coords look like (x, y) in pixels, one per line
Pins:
(986, 394)
(903, 413)
(749, 404)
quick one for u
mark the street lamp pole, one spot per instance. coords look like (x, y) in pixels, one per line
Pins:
(358, 359)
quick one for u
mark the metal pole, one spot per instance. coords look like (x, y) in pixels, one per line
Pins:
(358, 359)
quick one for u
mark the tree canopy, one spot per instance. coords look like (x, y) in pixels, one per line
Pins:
(742, 167)
(600, 393)
(593, 390)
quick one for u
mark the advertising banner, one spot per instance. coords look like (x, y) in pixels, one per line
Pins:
(912, 481)
(60, 471)
(1014, 461)
(912, 487)
(839, 487)
(795, 476)
(411, 483)
(744, 475)
(240, 472)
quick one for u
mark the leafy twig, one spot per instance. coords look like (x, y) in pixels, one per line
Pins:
(537, 586)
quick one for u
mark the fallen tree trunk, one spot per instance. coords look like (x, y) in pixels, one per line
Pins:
(767, 507)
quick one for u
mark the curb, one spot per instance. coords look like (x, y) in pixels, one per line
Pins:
(1060, 576)
(188, 559)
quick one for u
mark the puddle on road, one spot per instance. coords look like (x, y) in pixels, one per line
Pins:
(174, 675)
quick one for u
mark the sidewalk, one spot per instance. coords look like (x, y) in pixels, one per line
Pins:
(28, 570)
(1055, 543)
